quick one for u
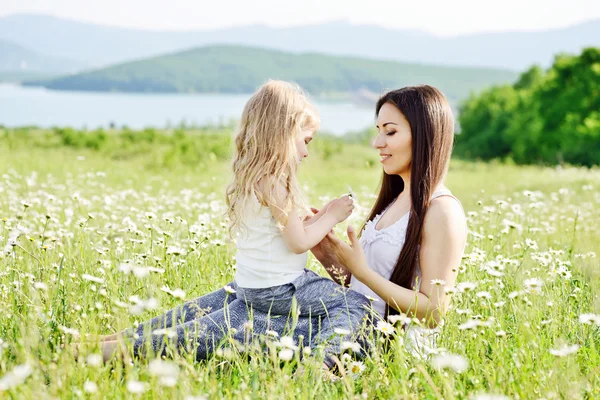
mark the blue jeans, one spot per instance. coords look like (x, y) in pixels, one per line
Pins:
(201, 325)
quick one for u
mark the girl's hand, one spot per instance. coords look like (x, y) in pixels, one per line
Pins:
(323, 209)
(351, 256)
(309, 219)
(341, 208)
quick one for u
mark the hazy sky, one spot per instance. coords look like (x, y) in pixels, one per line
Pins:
(443, 17)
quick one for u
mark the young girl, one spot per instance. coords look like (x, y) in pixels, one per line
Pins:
(264, 203)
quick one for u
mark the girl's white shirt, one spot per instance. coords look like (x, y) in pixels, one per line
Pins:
(262, 258)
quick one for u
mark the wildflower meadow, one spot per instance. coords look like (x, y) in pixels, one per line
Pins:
(102, 230)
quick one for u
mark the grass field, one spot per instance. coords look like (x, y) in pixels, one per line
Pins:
(95, 238)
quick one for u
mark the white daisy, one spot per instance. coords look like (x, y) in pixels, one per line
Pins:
(286, 354)
(136, 387)
(565, 350)
(229, 289)
(356, 368)
(342, 332)
(385, 327)
(590, 319)
(454, 362)
(355, 347)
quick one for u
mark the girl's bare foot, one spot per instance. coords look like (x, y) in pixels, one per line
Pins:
(99, 338)
(113, 349)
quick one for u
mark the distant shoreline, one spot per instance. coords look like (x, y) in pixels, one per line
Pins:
(360, 97)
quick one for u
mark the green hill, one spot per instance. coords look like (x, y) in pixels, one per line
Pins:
(236, 69)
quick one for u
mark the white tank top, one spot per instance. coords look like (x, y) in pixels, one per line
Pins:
(262, 258)
(382, 248)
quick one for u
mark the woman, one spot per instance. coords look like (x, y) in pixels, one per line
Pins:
(410, 248)
(413, 241)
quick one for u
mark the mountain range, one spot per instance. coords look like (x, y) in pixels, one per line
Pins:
(90, 45)
(240, 69)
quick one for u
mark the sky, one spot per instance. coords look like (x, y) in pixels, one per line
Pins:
(441, 17)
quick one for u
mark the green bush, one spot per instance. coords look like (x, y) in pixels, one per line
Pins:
(549, 117)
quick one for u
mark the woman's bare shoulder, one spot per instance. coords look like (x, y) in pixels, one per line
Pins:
(445, 212)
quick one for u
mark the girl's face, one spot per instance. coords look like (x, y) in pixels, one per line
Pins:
(302, 142)
(394, 140)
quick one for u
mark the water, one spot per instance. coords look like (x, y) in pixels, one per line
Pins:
(41, 107)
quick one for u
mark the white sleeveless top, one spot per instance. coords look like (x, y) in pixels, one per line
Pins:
(382, 248)
(262, 258)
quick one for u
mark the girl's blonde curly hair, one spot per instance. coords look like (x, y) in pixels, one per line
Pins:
(265, 149)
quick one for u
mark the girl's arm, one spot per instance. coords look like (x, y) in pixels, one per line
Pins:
(442, 244)
(309, 220)
(300, 238)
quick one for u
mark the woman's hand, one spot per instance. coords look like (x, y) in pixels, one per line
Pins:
(324, 253)
(351, 256)
(323, 250)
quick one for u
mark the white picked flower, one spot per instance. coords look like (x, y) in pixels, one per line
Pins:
(454, 362)
(438, 282)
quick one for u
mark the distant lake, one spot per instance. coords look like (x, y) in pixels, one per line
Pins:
(41, 107)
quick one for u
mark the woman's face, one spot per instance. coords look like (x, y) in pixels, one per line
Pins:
(394, 140)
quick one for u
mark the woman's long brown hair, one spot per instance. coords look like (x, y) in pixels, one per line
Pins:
(432, 127)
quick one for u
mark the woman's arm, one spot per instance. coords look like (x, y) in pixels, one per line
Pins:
(324, 253)
(442, 244)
